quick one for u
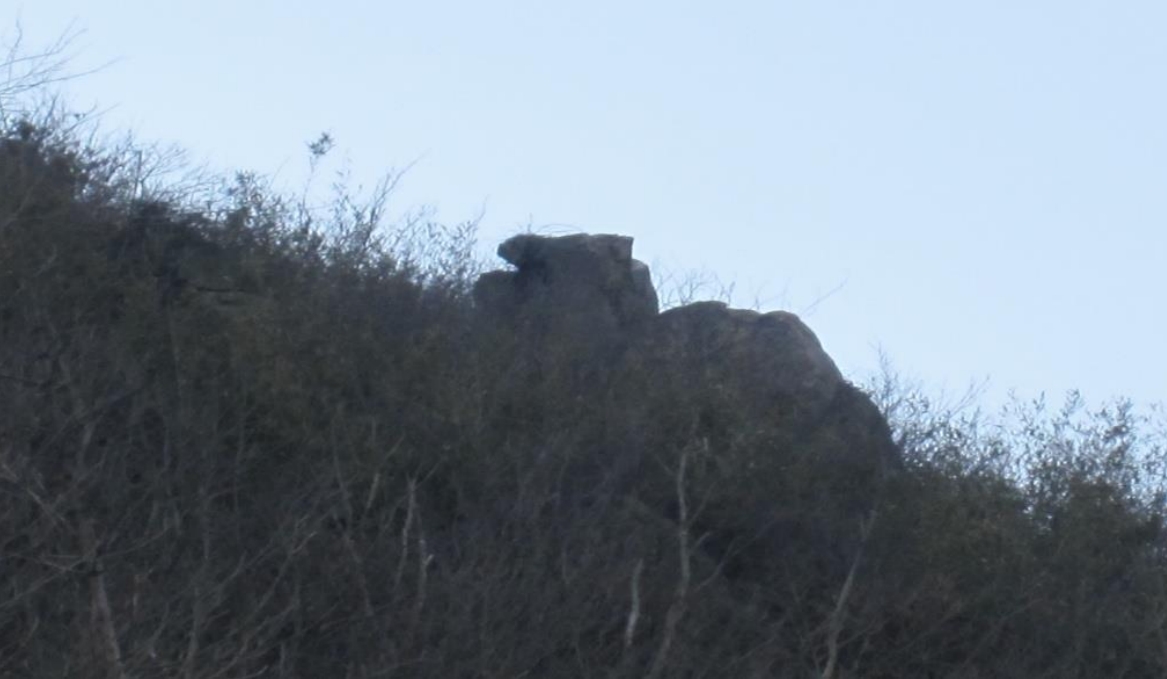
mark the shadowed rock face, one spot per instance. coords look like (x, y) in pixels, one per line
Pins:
(583, 340)
(587, 292)
(766, 357)
(580, 284)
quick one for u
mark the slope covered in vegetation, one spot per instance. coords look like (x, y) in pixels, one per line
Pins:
(239, 437)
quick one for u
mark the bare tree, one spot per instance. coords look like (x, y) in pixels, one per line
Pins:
(24, 71)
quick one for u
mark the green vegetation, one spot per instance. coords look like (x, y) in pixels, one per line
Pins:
(244, 438)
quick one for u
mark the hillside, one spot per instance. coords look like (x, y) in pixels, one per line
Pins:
(238, 439)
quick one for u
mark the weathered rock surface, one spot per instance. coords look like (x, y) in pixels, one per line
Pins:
(580, 284)
(765, 357)
(588, 358)
(588, 292)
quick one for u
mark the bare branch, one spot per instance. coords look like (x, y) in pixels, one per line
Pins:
(835, 625)
(410, 510)
(634, 611)
(105, 640)
(681, 595)
(23, 72)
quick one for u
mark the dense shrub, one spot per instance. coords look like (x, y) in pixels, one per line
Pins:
(243, 437)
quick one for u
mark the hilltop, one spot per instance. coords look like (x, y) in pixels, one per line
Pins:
(240, 438)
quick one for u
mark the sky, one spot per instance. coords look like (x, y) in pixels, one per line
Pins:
(975, 190)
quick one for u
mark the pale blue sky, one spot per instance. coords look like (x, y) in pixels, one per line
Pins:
(983, 184)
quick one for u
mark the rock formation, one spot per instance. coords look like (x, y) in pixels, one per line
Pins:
(766, 358)
(579, 320)
(587, 286)
(588, 289)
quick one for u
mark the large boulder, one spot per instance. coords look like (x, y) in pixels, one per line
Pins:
(774, 370)
(765, 357)
(789, 455)
(586, 297)
(582, 285)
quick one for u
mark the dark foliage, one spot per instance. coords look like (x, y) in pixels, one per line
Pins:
(241, 440)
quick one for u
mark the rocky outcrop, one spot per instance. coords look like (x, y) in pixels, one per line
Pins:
(768, 357)
(785, 442)
(589, 293)
(579, 285)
